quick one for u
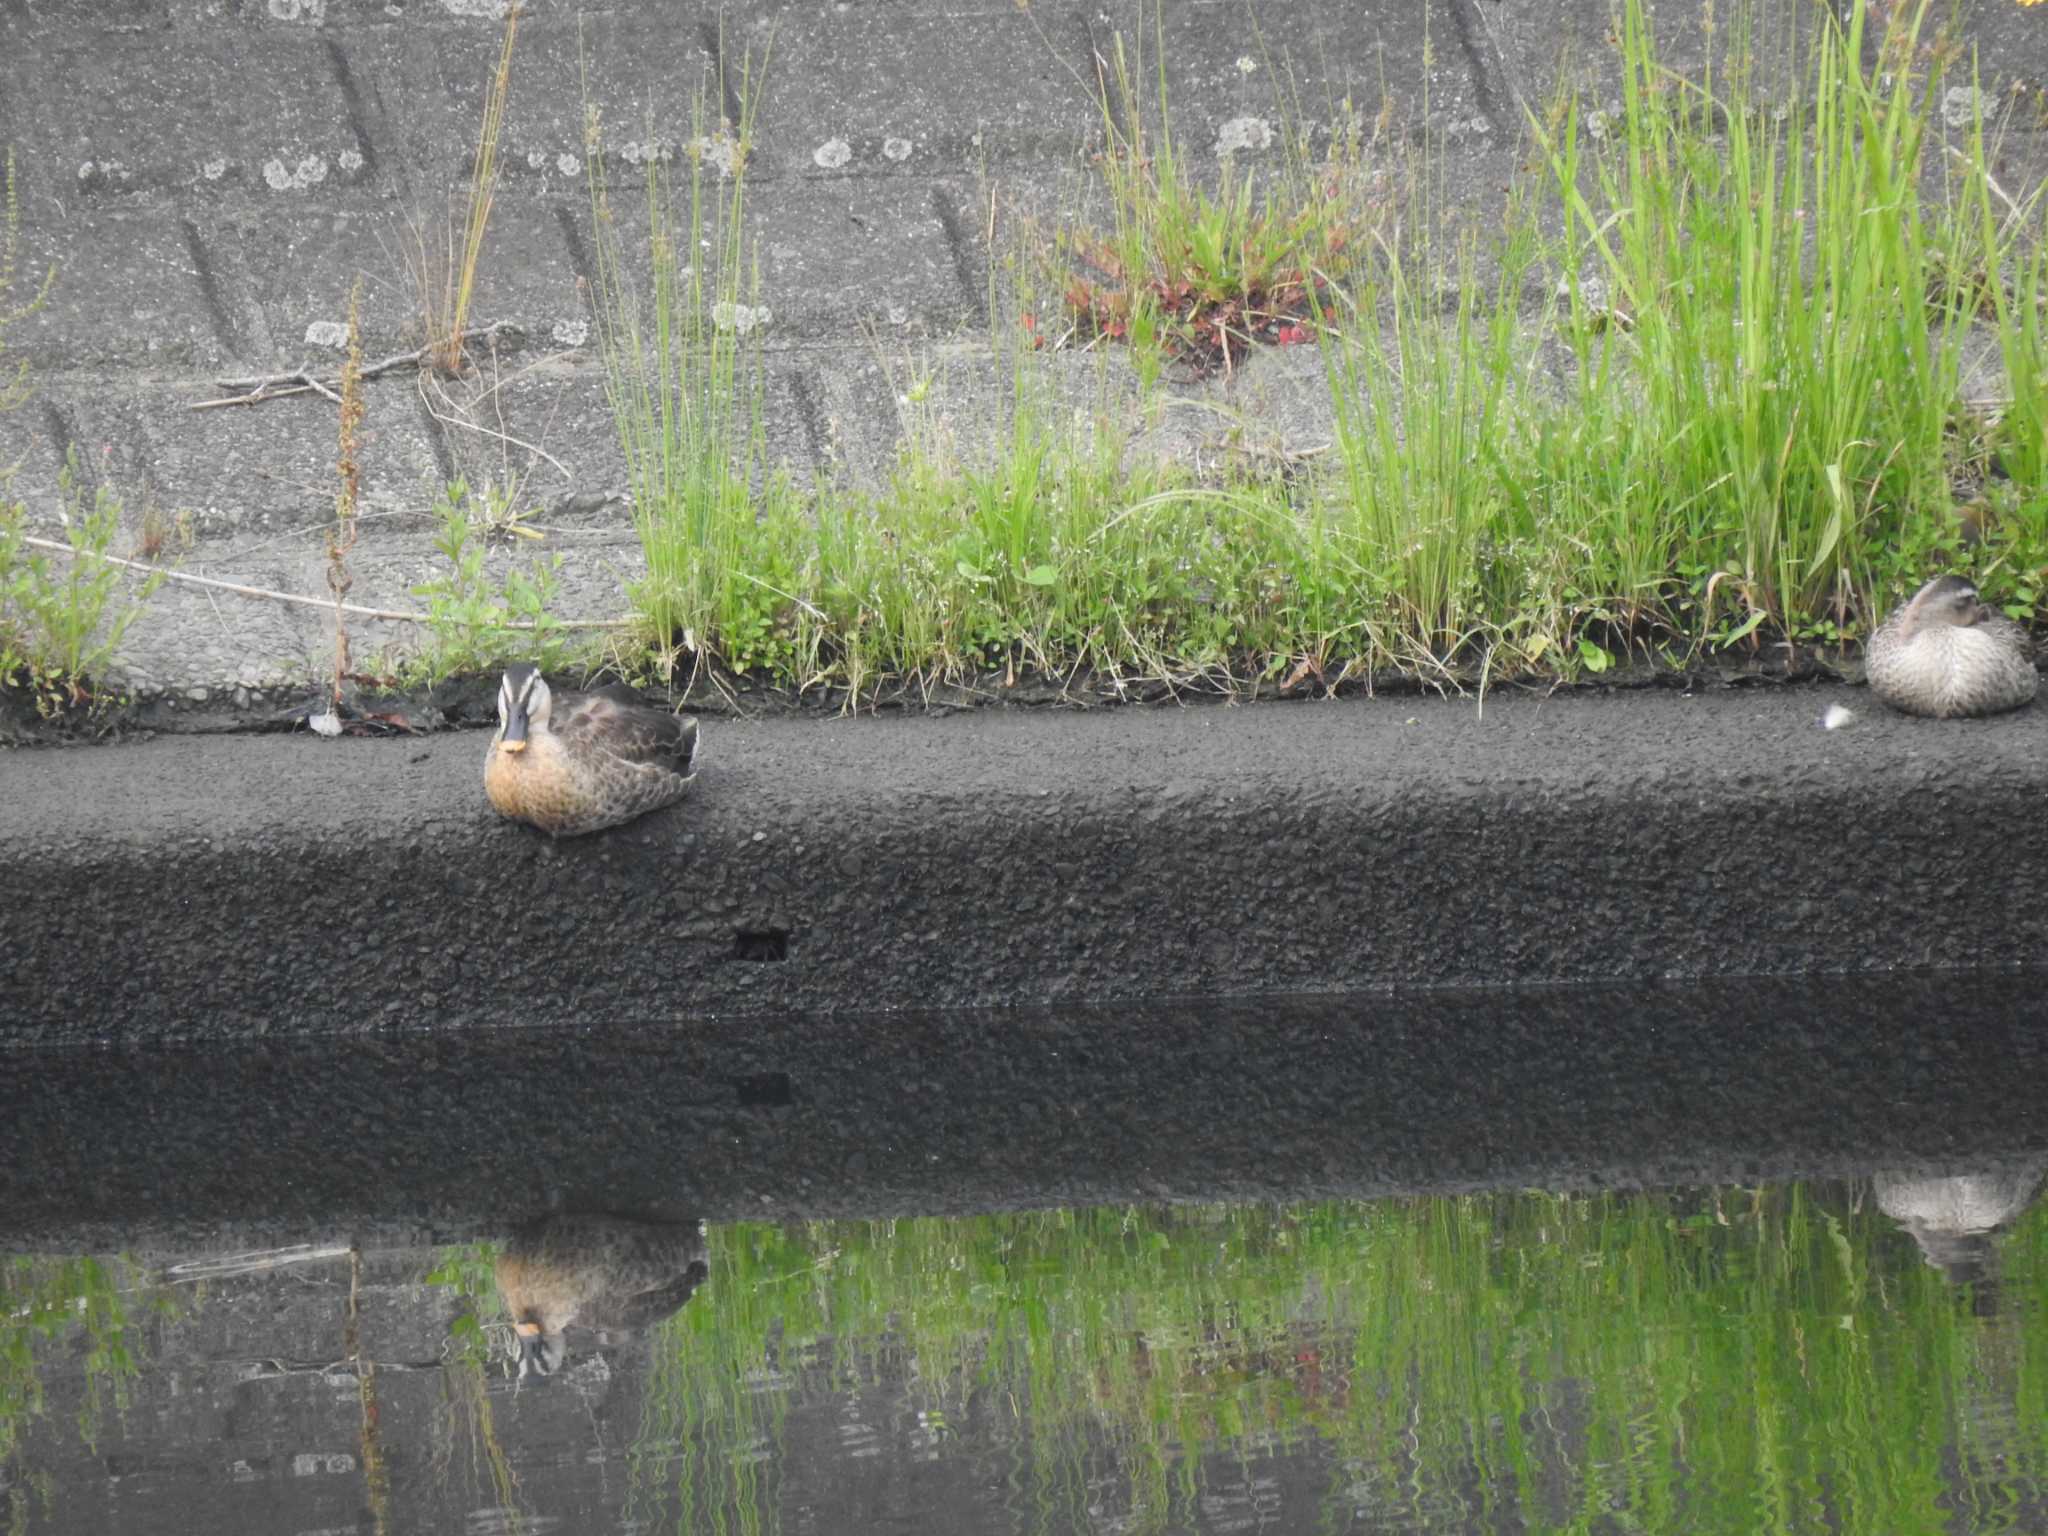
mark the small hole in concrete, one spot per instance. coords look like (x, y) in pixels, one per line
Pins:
(769, 1088)
(760, 944)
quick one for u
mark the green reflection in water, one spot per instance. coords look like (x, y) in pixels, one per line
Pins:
(466, 1418)
(1777, 1360)
(49, 1305)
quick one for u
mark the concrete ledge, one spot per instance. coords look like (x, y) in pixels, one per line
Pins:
(246, 886)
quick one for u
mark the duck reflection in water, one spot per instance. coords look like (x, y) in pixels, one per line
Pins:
(615, 1275)
(1956, 1220)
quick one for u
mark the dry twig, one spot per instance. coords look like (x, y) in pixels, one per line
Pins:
(343, 537)
(395, 615)
(260, 387)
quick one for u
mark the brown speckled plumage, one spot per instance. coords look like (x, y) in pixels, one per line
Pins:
(611, 1274)
(1945, 654)
(579, 763)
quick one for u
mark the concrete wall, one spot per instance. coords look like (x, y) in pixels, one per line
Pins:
(212, 178)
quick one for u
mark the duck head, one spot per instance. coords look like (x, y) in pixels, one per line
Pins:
(523, 703)
(1945, 600)
(536, 1349)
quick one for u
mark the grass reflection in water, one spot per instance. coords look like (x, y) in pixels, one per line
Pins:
(1773, 1360)
(1867, 1357)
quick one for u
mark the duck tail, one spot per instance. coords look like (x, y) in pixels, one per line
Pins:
(685, 750)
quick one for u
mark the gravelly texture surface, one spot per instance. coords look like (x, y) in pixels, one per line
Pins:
(1012, 857)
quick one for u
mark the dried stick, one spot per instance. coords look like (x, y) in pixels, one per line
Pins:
(397, 616)
(342, 538)
(302, 381)
(447, 420)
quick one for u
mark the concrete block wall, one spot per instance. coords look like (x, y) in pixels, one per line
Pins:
(212, 177)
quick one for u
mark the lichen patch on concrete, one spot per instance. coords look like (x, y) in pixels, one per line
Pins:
(1243, 133)
(308, 171)
(740, 318)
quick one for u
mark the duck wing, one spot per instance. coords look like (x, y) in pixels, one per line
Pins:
(643, 1309)
(2012, 633)
(632, 733)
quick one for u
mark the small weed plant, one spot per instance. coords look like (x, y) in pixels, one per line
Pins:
(62, 617)
(1200, 274)
(478, 624)
(477, 1337)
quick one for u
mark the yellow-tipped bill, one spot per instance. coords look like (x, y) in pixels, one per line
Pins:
(512, 735)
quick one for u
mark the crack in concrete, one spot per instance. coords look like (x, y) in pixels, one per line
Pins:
(225, 330)
(63, 435)
(1489, 80)
(810, 410)
(579, 257)
(352, 101)
(960, 244)
(711, 38)
(437, 438)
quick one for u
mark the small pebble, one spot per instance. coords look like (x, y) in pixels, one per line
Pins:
(1836, 716)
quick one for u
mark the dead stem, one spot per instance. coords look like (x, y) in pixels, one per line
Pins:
(343, 537)
(376, 1476)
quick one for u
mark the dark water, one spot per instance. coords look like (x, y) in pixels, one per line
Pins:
(259, 1289)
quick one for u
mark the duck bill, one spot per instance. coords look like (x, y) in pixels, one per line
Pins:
(534, 1355)
(513, 737)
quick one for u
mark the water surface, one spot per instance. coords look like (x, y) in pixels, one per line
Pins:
(256, 1291)
(1827, 1357)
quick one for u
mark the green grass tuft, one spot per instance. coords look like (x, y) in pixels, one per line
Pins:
(1702, 387)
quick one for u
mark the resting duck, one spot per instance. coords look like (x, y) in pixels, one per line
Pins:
(1957, 1219)
(1945, 654)
(585, 761)
(611, 1274)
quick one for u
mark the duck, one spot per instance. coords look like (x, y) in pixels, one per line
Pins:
(582, 762)
(1958, 1219)
(616, 1275)
(1944, 653)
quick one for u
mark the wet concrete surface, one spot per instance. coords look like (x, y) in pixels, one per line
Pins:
(249, 886)
(409, 1139)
